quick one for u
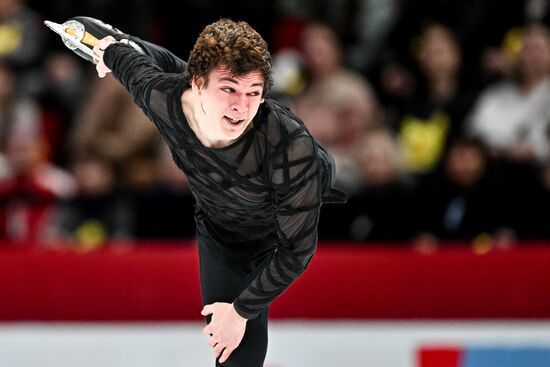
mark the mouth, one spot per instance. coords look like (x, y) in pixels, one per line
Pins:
(234, 122)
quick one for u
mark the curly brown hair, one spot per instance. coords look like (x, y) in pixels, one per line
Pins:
(233, 44)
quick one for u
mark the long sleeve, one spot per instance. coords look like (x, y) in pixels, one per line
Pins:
(297, 190)
(137, 72)
(166, 60)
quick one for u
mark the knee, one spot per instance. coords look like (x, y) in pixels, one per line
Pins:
(253, 348)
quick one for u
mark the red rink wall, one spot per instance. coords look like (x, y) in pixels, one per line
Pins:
(344, 281)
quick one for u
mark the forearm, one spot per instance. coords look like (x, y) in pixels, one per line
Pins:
(284, 268)
(297, 232)
(296, 185)
(135, 71)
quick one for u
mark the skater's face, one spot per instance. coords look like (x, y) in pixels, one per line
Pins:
(228, 103)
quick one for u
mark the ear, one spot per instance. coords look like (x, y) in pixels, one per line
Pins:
(197, 84)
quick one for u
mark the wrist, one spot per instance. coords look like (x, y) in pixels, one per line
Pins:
(237, 313)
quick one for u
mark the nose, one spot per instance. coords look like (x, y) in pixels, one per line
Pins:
(239, 103)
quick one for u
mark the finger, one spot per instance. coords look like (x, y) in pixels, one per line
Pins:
(226, 353)
(206, 310)
(212, 342)
(104, 42)
(99, 71)
(104, 72)
(218, 349)
(207, 330)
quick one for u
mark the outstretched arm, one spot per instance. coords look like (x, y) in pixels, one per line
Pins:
(166, 60)
(136, 71)
(83, 33)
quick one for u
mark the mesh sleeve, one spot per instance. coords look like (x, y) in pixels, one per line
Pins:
(166, 60)
(135, 71)
(297, 190)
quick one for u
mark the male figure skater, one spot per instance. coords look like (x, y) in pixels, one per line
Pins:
(258, 176)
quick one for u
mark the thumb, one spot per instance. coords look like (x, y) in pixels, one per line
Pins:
(206, 310)
(100, 71)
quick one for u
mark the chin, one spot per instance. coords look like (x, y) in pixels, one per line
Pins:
(235, 130)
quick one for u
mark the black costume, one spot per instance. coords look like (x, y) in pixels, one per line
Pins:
(258, 199)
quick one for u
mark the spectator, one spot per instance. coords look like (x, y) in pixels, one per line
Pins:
(462, 200)
(16, 112)
(437, 107)
(112, 128)
(63, 90)
(361, 25)
(512, 116)
(497, 59)
(379, 211)
(30, 189)
(472, 22)
(98, 212)
(21, 34)
(337, 104)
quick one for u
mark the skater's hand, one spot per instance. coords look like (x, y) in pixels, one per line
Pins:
(99, 50)
(226, 329)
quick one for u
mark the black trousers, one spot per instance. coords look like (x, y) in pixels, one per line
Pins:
(224, 274)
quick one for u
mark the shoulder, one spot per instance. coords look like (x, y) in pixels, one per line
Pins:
(169, 84)
(283, 126)
(165, 94)
(287, 135)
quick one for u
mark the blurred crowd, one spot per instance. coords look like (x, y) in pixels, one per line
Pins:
(437, 113)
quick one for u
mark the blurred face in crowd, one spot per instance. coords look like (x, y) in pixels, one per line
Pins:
(534, 55)
(439, 53)
(228, 104)
(94, 176)
(379, 159)
(465, 163)
(8, 6)
(320, 48)
(25, 150)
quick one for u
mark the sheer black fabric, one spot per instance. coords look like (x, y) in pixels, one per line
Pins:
(270, 182)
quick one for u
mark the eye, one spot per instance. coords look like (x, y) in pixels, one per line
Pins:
(254, 94)
(228, 89)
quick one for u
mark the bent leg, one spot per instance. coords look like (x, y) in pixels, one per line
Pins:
(253, 348)
(222, 280)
